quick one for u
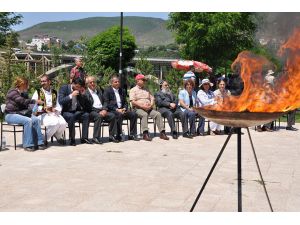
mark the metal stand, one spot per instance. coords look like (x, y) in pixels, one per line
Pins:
(239, 169)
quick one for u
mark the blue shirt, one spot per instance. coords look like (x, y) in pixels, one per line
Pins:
(184, 95)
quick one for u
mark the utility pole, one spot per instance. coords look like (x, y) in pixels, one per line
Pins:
(122, 78)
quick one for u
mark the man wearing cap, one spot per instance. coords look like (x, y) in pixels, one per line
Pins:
(142, 101)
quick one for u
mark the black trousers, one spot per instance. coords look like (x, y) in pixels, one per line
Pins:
(97, 119)
(131, 116)
(72, 117)
(171, 114)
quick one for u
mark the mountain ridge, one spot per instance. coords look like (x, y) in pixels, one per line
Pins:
(148, 31)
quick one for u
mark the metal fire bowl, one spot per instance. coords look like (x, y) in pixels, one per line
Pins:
(238, 119)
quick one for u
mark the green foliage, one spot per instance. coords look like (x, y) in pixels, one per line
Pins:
(160, 51)
(103, 49)
(213, 38)
(56, 54)
(174, 78)
(144, 66)
(7, 20)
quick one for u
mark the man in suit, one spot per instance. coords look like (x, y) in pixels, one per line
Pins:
(117, 104)
(97, 107)
(166, 103)
(73, 102)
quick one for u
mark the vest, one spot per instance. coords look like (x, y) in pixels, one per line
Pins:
(41, 96)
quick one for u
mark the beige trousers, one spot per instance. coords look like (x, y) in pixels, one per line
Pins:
(155, 115)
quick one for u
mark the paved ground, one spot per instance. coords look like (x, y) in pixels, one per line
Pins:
(152, 176)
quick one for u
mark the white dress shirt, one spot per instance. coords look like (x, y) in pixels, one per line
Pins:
(97, 103)
(118, 98)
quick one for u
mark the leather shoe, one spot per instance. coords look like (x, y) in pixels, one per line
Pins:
(97, 141)
(72, 143)
(291, 128)
(259, 129)
(175, 135)
(113, 139)
(187, 135)
(61, 141)
(163, 136)
(85, 141)
(268, 129)
(119, 138)
(146, 137)
(42, 147)
(30, 149)
(133, 137)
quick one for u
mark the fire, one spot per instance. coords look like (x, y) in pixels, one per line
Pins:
(258, 96)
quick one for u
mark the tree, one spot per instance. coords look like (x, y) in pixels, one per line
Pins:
(8, 19)
(213, 38)
(144, 66)
(103, 49)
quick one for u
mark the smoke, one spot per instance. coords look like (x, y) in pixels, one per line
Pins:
(275, 27)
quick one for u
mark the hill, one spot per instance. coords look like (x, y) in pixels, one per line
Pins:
(147, 31)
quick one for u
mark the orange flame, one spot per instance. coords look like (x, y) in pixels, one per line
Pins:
(258, 96)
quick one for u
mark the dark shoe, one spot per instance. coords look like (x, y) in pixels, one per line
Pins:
(187, 135)
(113, 139)
(46, 142)
(201, 134)
(146, 137)
(30, 149)
(175, 135)
(97, 141)
(61, 141)
(259, 129)
(133, 137)
(268, 129)
(193, 134)
(85, 141)
(72, 143)
(291, 128)
(163, 136)
(119, 138)
(42, 147)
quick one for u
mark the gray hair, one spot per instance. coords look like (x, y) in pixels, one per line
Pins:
(77, 59)
(114, 77)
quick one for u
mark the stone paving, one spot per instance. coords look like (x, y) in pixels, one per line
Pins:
(159, 176)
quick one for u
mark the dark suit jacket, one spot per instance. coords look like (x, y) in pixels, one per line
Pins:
(66, 102)
(90, 100)
(110, 98)
(163, 100)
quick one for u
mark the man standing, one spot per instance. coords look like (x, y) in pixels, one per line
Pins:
(73, 101)
(78, 70)
(142, 101)
(115, 98)
(291, 119)
(97, 107)
(49, 111)
(167, 105)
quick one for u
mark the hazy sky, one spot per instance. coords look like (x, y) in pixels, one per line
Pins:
(32, 18)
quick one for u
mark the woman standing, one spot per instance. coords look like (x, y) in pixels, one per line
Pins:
(17, 112)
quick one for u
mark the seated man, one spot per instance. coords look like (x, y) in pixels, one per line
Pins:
(167, 106)
(99, 112)
(72, 99)
(115, 98)
(49, 111)
(142, 102)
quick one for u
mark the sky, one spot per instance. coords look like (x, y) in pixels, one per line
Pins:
(32, 18)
